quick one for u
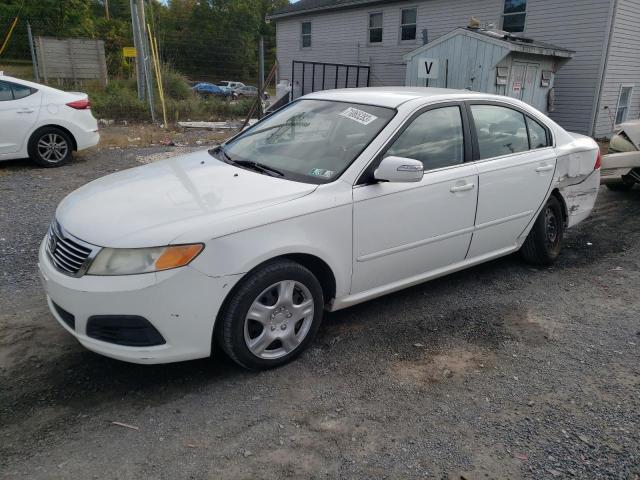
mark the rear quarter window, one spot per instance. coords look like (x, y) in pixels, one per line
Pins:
(538, 136)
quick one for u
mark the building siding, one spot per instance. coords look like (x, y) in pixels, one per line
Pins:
(581, 27)
(341, 36)
(622, 66)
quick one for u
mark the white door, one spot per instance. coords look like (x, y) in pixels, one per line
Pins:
(516, 80)
(19, 109)
(522, 81)
(402, 230)
(516, 166)
(529, 87)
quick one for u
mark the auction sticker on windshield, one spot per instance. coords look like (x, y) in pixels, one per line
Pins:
(359, 116)
(321, 172)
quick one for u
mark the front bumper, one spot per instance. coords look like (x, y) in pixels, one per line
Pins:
(182, 304)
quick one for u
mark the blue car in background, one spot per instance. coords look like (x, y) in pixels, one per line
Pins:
(210, 90)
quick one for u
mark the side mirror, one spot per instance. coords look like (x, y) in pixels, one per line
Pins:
(399, 169)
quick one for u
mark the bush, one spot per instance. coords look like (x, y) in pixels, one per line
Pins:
(175, 84)
(119, 101)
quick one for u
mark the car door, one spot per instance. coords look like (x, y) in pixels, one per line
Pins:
(19, 108)
(516, 164)
(404, 230)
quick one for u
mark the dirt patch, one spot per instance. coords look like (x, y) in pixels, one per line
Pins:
(442, 366)
(533, 328)
(146, 135)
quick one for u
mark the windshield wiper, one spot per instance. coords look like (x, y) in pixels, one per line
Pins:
(221, 150)
(257, 166)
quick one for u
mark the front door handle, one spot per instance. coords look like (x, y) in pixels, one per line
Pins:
(545, 168)
(462, 188)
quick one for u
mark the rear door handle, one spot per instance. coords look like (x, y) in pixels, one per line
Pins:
(25, 110)
(462, 188)
(545, 168)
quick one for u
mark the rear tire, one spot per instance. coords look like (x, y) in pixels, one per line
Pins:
(50, 147)
(272, 316)
(544, 242)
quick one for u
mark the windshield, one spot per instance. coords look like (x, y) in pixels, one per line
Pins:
(312, 141)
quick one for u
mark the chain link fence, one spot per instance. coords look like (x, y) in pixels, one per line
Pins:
(186, 57)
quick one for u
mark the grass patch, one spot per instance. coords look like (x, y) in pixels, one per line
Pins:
(119, 101)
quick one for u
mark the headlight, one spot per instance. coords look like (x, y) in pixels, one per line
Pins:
(129, 261)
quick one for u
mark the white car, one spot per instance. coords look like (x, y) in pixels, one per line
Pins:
(43, 123)
(340, 197)
(230, 86)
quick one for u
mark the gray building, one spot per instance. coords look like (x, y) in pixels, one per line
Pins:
(598, 87)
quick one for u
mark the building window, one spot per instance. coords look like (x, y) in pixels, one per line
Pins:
(514, 15)
(624, 101)
(408, 25)
(375, 28)
(306, 34)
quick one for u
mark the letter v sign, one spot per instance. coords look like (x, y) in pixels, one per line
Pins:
(428, 68)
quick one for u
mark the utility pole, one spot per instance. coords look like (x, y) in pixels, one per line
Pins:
(36, 73)
(143, 67)
(146, 50)
(140, 81)
(260, 74)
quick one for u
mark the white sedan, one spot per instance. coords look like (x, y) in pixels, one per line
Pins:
(340, 197)
(43, 123)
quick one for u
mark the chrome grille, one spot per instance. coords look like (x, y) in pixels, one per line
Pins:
(70, 255)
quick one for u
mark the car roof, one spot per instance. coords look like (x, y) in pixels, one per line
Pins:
(393, 97)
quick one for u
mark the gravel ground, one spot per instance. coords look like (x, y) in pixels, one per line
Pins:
(501, 371)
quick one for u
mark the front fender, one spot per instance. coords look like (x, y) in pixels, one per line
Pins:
(326, 234)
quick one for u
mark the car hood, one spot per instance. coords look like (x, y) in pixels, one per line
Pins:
(153, 204)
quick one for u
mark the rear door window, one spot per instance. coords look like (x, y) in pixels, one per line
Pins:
(14, 91)
(500, 130)
(21, 91)
(5, 92)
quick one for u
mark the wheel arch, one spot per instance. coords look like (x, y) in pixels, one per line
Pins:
(565, 212)
(59, 127)
(316, 265)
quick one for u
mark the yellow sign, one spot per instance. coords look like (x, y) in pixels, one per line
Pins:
(129, 52)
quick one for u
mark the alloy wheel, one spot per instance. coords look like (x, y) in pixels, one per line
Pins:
(52, 147)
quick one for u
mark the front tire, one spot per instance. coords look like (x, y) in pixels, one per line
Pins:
(272, 316)
(50, 147)
(544, 242)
